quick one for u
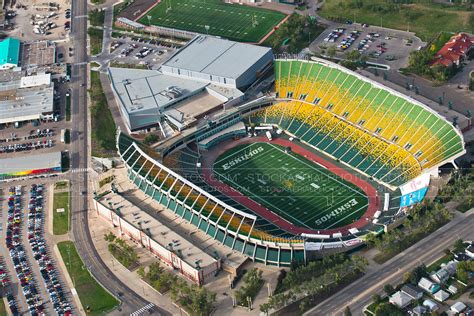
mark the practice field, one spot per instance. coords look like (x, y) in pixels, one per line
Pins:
(232, 21)
(300, 191)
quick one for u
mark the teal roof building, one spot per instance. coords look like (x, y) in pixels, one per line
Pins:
(9, 53)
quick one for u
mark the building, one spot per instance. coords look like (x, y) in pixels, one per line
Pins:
(413, 291)
(430, 305)
(219, 61)
(452, 289)
(30, 98)
(9, 53)
(30, 165)
(154, 235)
(419, 310)
(38, 54)
(205, 76)
(146, 98)
(458, 307)
(454, 51)
(428, 285)
(400, 299)
(441, 296)
(470, 251)
(445, 272)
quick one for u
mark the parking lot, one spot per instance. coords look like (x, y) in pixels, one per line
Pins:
(150, 53)
(29, 262)
(380, 45)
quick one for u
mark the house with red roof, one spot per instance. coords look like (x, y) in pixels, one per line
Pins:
(454, 51)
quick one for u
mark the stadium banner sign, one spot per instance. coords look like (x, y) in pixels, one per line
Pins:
(413, 197)
(416, 184)
(352, 242)
(313, 246)
(331, 245)
(315, 236)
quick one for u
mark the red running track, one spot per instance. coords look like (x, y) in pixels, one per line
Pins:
(207, 172)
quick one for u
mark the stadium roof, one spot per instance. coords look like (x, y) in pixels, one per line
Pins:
(217, 56)
(10, 51)
(29, 164)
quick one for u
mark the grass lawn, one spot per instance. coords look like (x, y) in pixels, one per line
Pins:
(61, 220)
(300, 191)
(437, 264)
(61, 185)
(465, 205)
(233, 21)
(3, 310)
(95, 36)
(68, 108)
(103, 125)
(90, 292)
(97, 17)
(426, 19)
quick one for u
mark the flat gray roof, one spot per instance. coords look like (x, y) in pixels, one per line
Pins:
(216, 56)
(148, 89)
(22, 104)
(23, 166)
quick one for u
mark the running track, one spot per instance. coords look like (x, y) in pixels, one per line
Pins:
(207, 172)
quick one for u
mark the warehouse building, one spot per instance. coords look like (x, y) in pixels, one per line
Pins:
(27, 99)
(9, 53)
(223, 62)
(30, 165)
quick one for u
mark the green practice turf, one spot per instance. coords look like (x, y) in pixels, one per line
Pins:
(299, 190)
(233, 21)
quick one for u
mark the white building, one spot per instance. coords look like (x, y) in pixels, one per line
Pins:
(30, 98)
(400, 299)
(458, 307)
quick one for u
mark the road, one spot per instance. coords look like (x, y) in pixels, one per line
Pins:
(80, 157)
(359, 294)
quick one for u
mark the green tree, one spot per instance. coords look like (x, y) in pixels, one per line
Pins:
(331, 51)
(347, 311)
(387, 309)
(376, 298)
(388, 289)
(150, 139)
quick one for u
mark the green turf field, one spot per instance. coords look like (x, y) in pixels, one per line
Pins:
(233, 21)
(302, 192)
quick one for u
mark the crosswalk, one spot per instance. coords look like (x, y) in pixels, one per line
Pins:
(144, 309)
(80, 170)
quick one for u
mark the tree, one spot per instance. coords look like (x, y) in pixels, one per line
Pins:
(376, 298)
(458, 245)
(388, 288)
(331, 51)
(150, 139)
(387, 309)
(347, 311)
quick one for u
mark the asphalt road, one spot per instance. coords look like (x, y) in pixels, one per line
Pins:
(80, 158)
(359, 294)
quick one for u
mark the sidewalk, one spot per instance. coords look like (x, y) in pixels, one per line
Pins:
(53, 240)
(98, 229)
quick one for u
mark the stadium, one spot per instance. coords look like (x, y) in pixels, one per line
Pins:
(324, 158)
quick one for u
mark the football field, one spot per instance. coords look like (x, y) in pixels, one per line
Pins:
(232, 21)
(296, 189)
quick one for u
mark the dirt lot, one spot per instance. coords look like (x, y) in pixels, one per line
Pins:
(40, 13)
